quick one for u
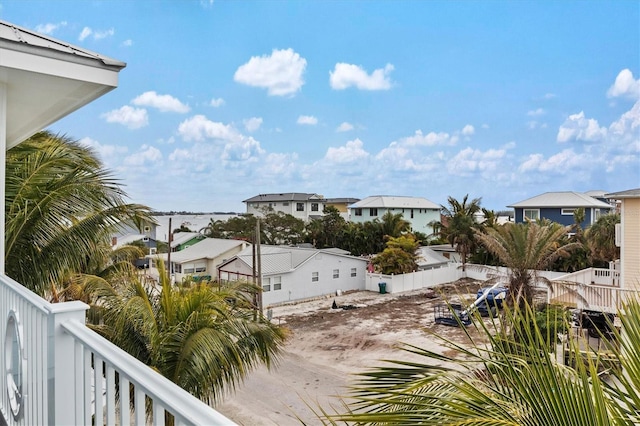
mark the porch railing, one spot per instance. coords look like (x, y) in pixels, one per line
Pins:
(60, 372)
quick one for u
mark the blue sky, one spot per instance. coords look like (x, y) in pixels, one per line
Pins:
(222, 100)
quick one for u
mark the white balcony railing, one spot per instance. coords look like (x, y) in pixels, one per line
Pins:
(54, 364)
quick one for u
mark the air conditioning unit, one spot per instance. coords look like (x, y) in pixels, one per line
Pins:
(618, 235)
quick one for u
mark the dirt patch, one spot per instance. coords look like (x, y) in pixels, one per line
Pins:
(329, 345)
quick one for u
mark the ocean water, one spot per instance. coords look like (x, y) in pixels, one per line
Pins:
(194, 222)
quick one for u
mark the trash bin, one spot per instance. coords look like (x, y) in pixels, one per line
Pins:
(382, 287)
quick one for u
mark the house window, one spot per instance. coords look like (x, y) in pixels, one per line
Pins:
(568, 212)
(147, 229)
(153, 250)
(277, 283)
(266, 284)
(314, 207)
(357, 212)
(299, 207)
(354, 272)
(314, 276)
(411, 213)
(201, 269)
(266, 288)
(373, 212)
(596, 214)
(531, 214)
(177, 268)
(336, 273)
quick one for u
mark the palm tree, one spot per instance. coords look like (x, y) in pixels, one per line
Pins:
(487, 384)
(525, 248)
(394, 225)
(202, 337)
(601, 238)
(61, 208)
(457, 225)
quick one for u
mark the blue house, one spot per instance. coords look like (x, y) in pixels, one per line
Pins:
(559, 207)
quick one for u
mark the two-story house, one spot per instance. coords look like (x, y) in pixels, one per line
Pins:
(628, 237)
(419, 212)
(299, 205)
(559, 207)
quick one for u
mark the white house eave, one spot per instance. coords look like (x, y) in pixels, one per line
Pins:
(42, 86)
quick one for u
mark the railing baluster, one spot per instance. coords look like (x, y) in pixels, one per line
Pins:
(125, 409)
(88, 391)
(78, 391)
(98, 413)
(139, 404)
(158, 413)
(111, 395)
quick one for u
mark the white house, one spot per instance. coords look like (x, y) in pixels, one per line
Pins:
(202, 258)
(292, 273)
(299, 205)
(52, 362)
(419, 212)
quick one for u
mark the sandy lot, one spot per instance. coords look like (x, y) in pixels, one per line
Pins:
(329, 346)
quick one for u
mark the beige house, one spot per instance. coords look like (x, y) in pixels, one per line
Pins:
(628, 237)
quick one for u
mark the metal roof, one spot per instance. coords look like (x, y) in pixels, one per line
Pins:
(208, 248)
(629, 193)
(182, 237)
(561, 199)
(386, 201)
(286, 196)
(345, 200)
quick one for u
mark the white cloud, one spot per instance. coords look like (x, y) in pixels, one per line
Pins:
(347, 75)
(127, 43)
(199, 128)
(469, 161)
(627, 128)
(133, 118)
(468, 130)
(280, 73)
(164, 103)
(104, 151)
(561, 163)
(625, 86)
(344, 127)
(577, 127)
(307, 119)
(430, 139)
(146, 155)
(216, 102)
(352, 151)
(485, 126)
(549, 95)
(97, 35)
(50, 28)
(252, 124)
(536, 112)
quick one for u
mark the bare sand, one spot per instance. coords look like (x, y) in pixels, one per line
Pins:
(328, 347)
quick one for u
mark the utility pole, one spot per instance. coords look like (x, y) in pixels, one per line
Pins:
(169, 253)
(259, 262)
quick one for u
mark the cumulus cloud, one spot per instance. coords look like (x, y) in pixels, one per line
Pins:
(308, 120)
(351, 151)
(468, 130)
(348, 75)
(199, 128)
(561, 163)
(469, 161)
(430, 139)
(627, 128)
(344, 127)
(104, 151)
(216, 102)
(50, 28)
(164, 103)
(280, 73)
(252, 124)
(133, 118)
(577, 127)
(625, 86)
(536, 112)
(127, 43)
(96, 35)
(147, 155)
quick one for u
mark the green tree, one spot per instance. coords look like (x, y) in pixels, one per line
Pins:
(485, 383)
(601, 238)
(525, 248)
(62, 206)
(328, 230)
(458, 224)
(394, 225)
(202, 337)
(399, 257)
(281, 228)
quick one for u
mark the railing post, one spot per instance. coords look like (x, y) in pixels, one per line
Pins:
(61, 361)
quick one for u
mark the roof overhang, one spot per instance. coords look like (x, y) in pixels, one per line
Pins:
(46, 79)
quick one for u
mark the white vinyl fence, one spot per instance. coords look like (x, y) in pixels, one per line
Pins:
(53, 365)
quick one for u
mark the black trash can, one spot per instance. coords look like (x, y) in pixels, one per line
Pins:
(382, 287)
